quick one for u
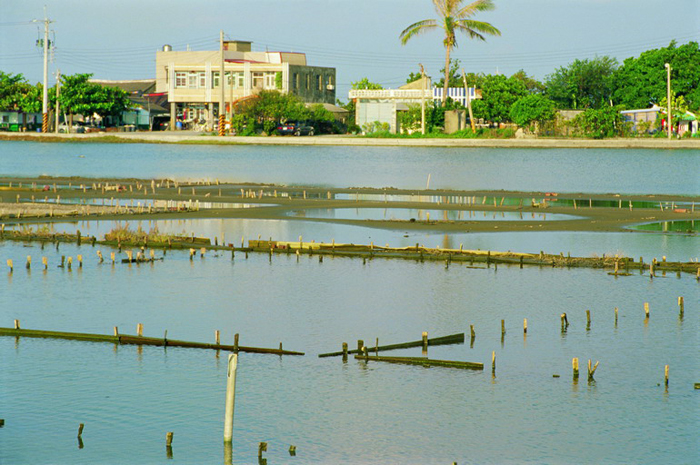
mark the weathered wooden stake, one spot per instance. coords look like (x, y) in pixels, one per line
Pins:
(646, 309)
(564, 321)
(262, 447)
(425, 340)
(17, 324)
(29, 262)
(45, 262)
(493, 362)
(588, 319)
(591, 370)
(112, 256)
(139, 329)
(525, 326)
(616, 317)
(116, 331)
(471, 328)
(345, 351)
(666, 375)
(9, 264)
(230, 396)
(680, 306)
(503, 328)
(192, 252)
(80, 429)
(574, 364)
(235, 342)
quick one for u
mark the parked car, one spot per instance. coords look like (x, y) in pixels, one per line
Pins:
(297, 128)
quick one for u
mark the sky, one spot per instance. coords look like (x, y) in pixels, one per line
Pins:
(118, 40)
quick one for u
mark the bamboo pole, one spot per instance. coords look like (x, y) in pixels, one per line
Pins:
(230, 396)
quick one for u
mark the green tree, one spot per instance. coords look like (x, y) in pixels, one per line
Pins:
(533, 108)
(498, 93)
(641, 81)
(583, 83)
(80, 96)
(365, 83)
(533, 85)
(271, 107)
(455, 77)
(453, 17)
(602, 122)
(13, 90)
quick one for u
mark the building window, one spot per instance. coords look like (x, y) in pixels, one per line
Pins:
(234, 79)
(330, 81)
(270, 81)
(319, 79)
(308, 81)
(180, 79)
(258, 80)
(296, 80)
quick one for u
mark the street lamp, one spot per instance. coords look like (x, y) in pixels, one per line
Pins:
(668, 99)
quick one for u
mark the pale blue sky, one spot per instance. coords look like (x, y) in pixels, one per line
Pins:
(118, 40)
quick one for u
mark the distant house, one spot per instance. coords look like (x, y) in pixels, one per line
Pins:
(646, 115)
(18, 121)
(147, 107)
(385, 105)
(191, 79)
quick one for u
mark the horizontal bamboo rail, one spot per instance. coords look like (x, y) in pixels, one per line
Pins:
(424, 362)
(139, 340)
(436, 341)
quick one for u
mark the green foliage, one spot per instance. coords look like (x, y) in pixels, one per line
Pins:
(532, 108)
(243, 125)
(318, 113)
(410, 120)
(278, 80)
(270, 107)
(641, 81)
(79, 96)
(365, 83)
(531, 84)
(583, 83)
(15, 92)
(498, 94)
(376, 127)
(601, 123)
(455, 77)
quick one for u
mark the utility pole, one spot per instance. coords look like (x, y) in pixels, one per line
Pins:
(669, 120)
(422, 100)
(45, 105)
(58, 94)
(469, 101)
(222, 81)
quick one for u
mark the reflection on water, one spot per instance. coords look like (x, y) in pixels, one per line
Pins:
(407, 214)
(357, 412)
(688, 227)
(585, 244)
(155, 203)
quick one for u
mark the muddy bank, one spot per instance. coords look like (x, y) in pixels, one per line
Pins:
(40, 200)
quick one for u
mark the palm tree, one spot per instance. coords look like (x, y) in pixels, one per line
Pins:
(453, 17)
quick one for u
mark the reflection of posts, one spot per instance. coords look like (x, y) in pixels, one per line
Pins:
(230, 397)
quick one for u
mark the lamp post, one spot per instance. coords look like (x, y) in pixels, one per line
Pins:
(668, 100)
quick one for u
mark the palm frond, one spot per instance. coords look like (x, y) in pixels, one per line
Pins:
(474, 7)
(417, 28)
(471, 27)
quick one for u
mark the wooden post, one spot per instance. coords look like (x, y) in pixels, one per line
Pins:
(666, 375)
(425, 340)
(17, 324)
(493, 362)
(217, 337)
(116, 331)
(616, 317)
(80, 261)
(574, 364)
(192, 252)
(646, 310)
(235, 342)
(111, 255)
(525, 326)
(9, 264)
(564, 322)
(139, 329)
(230, 396)
(588, 319)
(471, 328)
(503, 328)
(680, 307)
(169, 439)
(262, 447)
(202, 251)
(345, 351)
(45, 262)
(591, 370)
(360, 345)
(80, 429)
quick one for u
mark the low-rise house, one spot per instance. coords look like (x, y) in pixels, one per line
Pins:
(384, 105)
(146, 107)
(191, 79)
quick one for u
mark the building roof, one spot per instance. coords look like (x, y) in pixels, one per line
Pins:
(141, 93)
